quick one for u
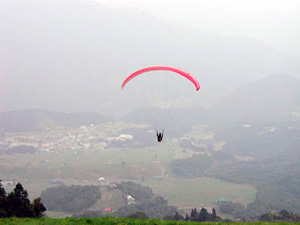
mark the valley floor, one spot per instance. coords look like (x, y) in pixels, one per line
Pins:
(149, 166)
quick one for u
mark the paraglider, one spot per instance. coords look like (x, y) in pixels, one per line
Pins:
(161, 96)
(159, 136)
(163, 68)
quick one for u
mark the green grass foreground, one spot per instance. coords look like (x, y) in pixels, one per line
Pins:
(113, 221)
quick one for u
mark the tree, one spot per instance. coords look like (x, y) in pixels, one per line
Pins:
(178, 217)
(38, 208)
(3, 212)
(203, 215)
(187, 217)
(214, 213)
(193, 216)
(21, 202)
(266, 217)
(18, 203)
(284, 214)
(2, 191)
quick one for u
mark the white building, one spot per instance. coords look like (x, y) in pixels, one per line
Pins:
(101, 179)
(130, 200)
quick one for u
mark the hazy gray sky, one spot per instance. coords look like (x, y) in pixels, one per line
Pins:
(276, 22)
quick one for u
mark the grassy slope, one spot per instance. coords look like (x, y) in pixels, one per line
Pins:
(188, 193)
(111, 221)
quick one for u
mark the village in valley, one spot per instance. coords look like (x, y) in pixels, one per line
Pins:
(106, 155)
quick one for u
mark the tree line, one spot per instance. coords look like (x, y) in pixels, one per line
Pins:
(17, 204)
(201, 216)
(274, 169)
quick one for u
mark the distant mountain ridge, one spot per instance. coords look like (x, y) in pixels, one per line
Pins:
(73, 56)
(179, 121)
(271, 99)
(40, 119)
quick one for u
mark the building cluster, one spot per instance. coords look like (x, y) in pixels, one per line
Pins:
(83, 139)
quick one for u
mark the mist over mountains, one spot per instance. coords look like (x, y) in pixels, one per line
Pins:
(40, 119)
(271, 100)
(54, 56)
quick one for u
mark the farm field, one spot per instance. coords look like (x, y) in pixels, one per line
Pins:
(201, 192)
(149, 166)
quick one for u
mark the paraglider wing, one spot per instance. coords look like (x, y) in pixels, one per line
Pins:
(164, 68)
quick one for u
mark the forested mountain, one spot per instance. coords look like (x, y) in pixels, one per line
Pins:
(259, 125)
(266, 159)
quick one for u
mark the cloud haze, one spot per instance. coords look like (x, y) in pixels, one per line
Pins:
(276, 22)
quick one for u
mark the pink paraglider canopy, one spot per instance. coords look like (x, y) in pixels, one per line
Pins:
(163, 68)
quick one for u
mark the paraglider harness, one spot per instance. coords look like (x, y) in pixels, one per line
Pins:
(159, 136)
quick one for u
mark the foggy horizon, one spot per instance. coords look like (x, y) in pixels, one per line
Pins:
(175, 110)
(275, 23)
